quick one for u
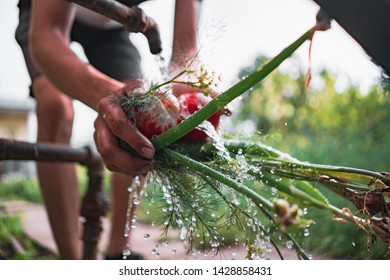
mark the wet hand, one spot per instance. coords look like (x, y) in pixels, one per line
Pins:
(112, 124)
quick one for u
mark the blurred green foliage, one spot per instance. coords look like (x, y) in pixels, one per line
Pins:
(329, 122)
(11, 231)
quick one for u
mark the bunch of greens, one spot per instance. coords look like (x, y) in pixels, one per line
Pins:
(223, 183)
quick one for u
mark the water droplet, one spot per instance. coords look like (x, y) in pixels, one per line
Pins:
(134, 223)
(165, 243)
(183, 233)
(174, 251)
(289, 244)
(136, 200)
(147, 236)
(236, 202)
(306, 232)
(126, 253)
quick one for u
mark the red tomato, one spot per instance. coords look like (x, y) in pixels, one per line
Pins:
(189, 104)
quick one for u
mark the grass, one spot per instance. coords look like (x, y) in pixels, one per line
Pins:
(16, 188)
(15, 245)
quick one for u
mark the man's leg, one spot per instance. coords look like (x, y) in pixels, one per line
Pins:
(58, 181)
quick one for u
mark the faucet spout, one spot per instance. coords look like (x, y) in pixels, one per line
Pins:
(132, 18)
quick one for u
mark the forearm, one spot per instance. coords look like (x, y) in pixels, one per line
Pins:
(185, 31)
(50, 49)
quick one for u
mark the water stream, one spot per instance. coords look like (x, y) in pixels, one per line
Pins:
(135, 191)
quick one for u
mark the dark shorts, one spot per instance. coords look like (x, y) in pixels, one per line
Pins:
(108, 50)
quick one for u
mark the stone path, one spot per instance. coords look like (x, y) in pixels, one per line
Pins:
(146, 239)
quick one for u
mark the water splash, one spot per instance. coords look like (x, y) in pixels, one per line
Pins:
(134, 192)
(163, 67)
(218, 142)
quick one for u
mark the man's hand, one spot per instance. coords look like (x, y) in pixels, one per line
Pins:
(111, 125)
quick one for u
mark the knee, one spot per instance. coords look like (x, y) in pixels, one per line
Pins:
(55, 116)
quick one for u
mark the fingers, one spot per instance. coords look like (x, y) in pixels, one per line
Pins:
(111, 125)
(114, 158)
(179, 89)
(134, 87)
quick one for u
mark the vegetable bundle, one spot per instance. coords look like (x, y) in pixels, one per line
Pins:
(208, 185)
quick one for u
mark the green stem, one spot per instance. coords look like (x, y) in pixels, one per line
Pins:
(231, 205)
(172, 156)
(312, 201)
(293, 191)
(340, 179)
(346, 173)
(265, 155)
(173, 80)
(264, 204)
(225, 98)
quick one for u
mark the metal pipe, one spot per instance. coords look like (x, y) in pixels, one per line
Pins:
(94, 204)
(132, 18)
(19, 150)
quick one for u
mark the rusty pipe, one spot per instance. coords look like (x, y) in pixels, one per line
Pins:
(94, 204)
(19, 150)
(132, 18)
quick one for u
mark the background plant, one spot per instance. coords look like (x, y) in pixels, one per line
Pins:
(328, 125)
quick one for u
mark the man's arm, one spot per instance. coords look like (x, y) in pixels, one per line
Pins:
(185, 31)
(50, 26)
(185, 48)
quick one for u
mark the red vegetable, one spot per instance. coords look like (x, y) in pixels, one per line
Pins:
(189, 104)
(156, 114)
